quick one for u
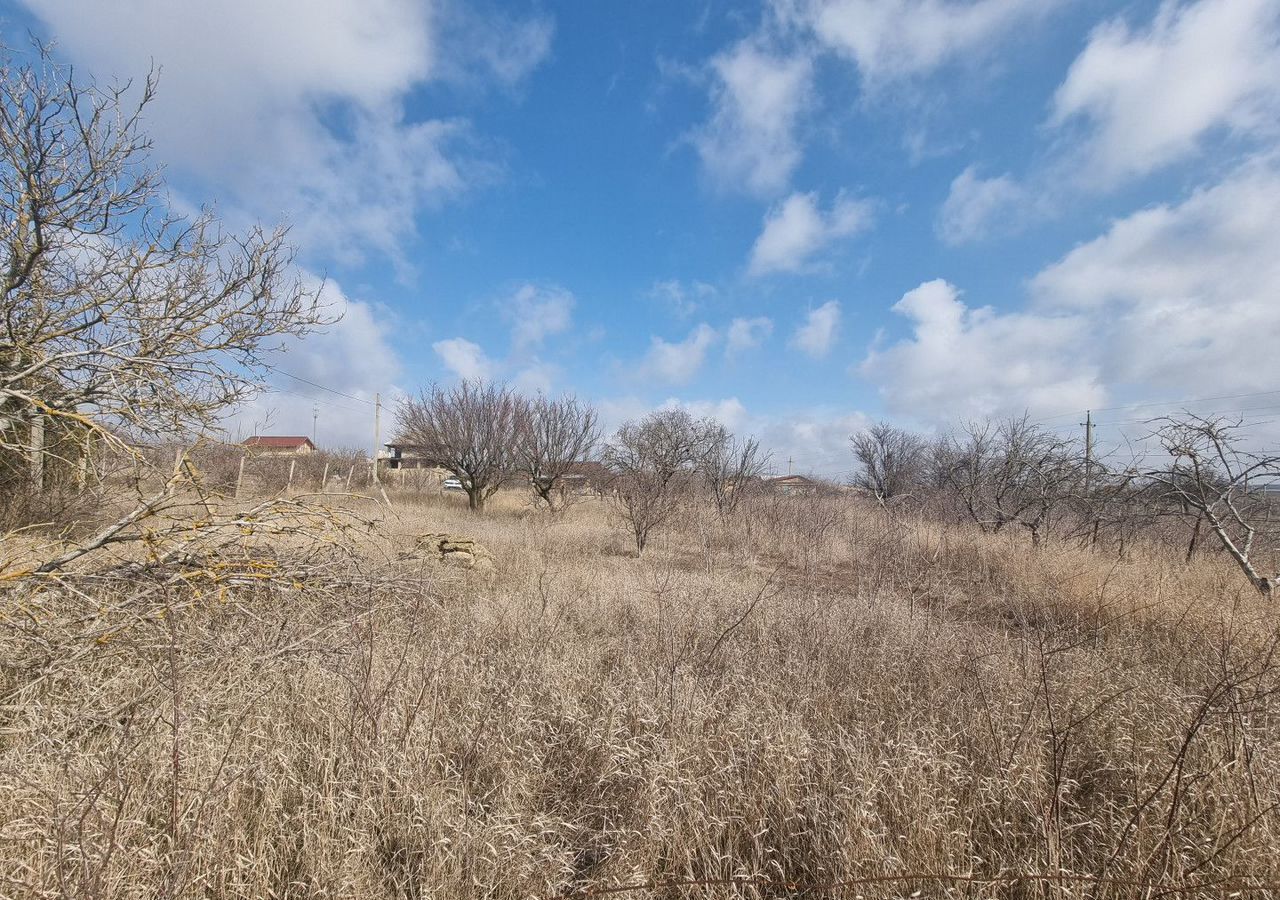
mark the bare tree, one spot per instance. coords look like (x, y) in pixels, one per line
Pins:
(892, 460)
(120, 322)
(470, 429)
(554, 435)
(656, 461)
(1210, 476)
(1009, 472)
(731, 468)
(116, 315)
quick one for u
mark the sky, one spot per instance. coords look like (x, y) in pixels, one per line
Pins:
(798, 216)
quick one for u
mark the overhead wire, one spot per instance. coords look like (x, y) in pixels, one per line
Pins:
(1167, 403)
(327, 404)
(322, 387)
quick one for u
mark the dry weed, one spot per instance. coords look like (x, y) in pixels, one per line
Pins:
(823, 695)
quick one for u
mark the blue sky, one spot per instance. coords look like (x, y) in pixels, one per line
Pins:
(796, 215)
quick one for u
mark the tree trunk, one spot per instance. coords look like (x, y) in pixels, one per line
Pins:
(37, 453)
(1195, 537)
(475, 500)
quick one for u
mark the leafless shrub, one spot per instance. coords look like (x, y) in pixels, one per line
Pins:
(1010, 472)
(1209, 477)
(893, 462)
(732, 470)
(657, 461)
(470, 429)
(553, 437)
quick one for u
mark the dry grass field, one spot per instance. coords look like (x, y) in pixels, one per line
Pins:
(807, 694)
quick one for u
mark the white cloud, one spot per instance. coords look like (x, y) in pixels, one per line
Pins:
(1174, 299)
(818, 333)
(1183, 295)
(536, 378)
(812, 442)
(295, 109)
(1151, 97)
(963, 362)
(729, 412)
(890, 39)
(796, 229)
(482, 42)
(537, 313)
(464, 358)
(747, 334)
(616, 410)
(684, 298)
(974, 203)
(354, 356)
(677, 363)
(750, 143)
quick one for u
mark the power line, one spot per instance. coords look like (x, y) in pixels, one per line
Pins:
(1184, 402)
(1219, 412)
(328, 404)
(320, 386)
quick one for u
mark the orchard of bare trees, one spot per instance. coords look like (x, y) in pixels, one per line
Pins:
(488, 435)
(1203, 486)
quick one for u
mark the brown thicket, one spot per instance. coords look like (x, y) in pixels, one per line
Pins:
(828, 694)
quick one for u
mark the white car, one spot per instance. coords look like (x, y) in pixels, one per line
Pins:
(451, 484)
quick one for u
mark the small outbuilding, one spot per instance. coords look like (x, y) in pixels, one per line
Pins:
(278, 445)
(792, 484)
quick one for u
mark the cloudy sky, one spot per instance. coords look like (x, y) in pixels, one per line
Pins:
(794, 215)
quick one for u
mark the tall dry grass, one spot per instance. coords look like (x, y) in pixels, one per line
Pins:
(809, 693)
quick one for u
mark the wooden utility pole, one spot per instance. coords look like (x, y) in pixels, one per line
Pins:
(377, 433)
(1088, 449)
(315, 417)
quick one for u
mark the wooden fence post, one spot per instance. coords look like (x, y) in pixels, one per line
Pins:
(240, 475)
(288, 487)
